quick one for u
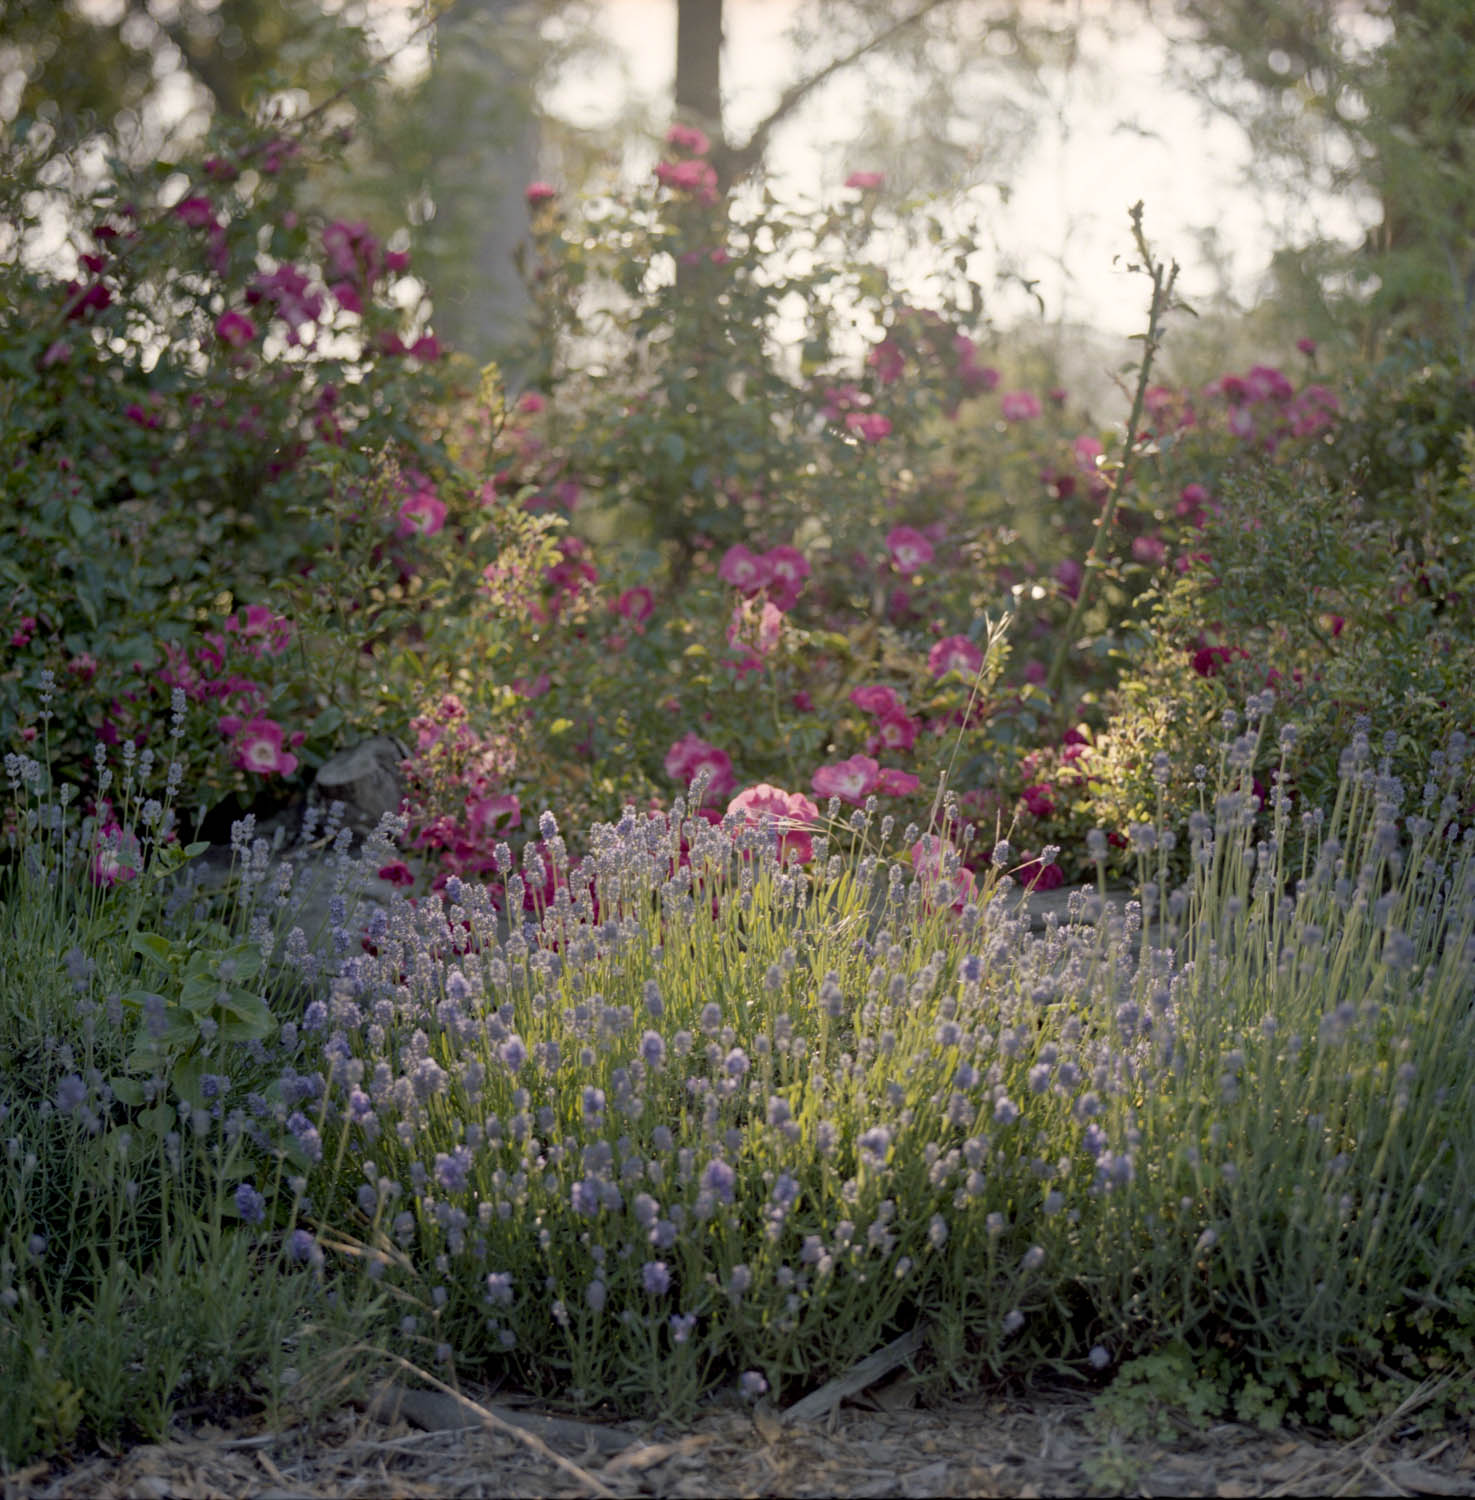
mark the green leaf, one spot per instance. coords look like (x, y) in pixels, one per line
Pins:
(129, 1090)
(152, 946)
(81, 519)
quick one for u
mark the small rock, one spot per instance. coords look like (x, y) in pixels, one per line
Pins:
(366, 778)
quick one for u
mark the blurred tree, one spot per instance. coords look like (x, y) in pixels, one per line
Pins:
(1369, 95)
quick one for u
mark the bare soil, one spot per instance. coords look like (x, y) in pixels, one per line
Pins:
(878, 1443)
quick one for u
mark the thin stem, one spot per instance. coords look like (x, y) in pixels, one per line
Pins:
(1163, 280)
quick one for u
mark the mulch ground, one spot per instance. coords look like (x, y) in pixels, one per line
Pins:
(879, 1443)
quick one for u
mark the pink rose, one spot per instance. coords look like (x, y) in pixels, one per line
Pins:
(234, 329)
(422, 514)
(868, 426)
(792, 813)
(691, 754)
(850, 780)
(688, 138)
(539, 192)
(1019, 406)
(744, 569)
(909, 549)
(636, 605)
(887, 360)
(867, 182)
(894, 732)
(258, 747)
(954, 653)
(876, 699)
(894, 782)
(197, 212)
(929, 856)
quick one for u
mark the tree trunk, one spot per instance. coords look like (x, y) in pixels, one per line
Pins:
(484, 152)
(699, 66)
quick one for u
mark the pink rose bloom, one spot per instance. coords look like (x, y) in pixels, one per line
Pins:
(1019, 406)
(397, 261)
(867, 182)
(539, 192)
(894, 732)
(792, 813)
(1149, 549)
(258, 747)
(688, 138)
(116, 856)
(198, 213)
(909, 549)
(755, 628)
(887, 360)
(1039, 799)
(352, 251)
(234, 329)
(423, 514)
(426, 348)
(346, 294)
(491, 817)
(1087, 450)
(850, 780)
(789, 568)
(397, 872)
(691, 176)
(876, 699)
(636, 605)
(954, 653)
(691, 754)
(744, 569)
(531, 687)
(1034, 876)
(928, 856)
(894, 782)
(257, 623)
(868, 426)
(530, 403)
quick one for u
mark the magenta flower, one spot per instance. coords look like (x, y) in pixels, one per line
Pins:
(894, 782)
(492, 817)
(539, 192)
(1149, 549)
(1019, 406)
(876, 699)
(867, 182)
(693, 176)
(691, 754)
(1039, 799)
(1034, 876)
(929, 855)
(744, 569)
(955, 653)
(894, 732)
(422, 514)
(116, 856)
(755, 629)
(909, 549)
(198, 213)
(352, 252)
(868, 426)
(258, 746)
(261, 629)
(887, 360)
(791, 812)
(688, 138)
(397, 873)
(1068, 574)
(234, 329)
(636, 605)
(850, 780)
(788, 568)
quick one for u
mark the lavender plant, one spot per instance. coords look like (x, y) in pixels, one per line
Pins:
(733, 1105)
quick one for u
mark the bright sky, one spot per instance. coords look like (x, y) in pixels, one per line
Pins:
(1111, 132)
